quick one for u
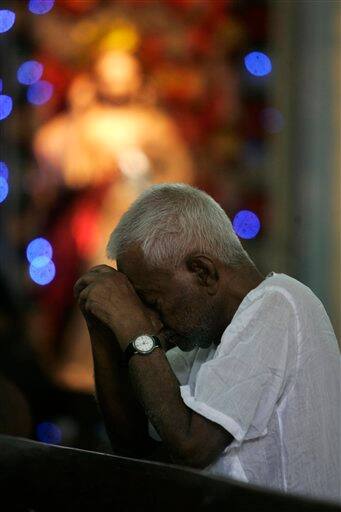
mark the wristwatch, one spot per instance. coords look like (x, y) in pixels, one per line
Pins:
(144, 344)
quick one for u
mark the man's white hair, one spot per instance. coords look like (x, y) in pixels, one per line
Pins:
(172, 220)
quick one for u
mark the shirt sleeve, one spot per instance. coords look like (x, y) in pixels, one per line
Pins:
(240, 387)
(181, 363)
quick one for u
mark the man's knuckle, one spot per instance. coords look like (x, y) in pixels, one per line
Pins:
(101, 268)
(89, 304)
(77, 285)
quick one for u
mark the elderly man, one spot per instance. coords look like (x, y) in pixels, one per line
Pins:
(250, 389)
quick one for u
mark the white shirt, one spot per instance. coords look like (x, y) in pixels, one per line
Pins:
(273, 382)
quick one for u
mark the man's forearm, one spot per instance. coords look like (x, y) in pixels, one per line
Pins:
(124, 417)
(158, 391)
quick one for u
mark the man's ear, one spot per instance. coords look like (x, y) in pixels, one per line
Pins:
(205, 270)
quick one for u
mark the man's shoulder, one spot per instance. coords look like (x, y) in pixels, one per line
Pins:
(303, 300)
(282, 304)
(281, 287)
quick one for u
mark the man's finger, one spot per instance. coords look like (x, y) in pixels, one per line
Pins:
(83, 296)
(80, 284)
(83, 282)
(90, 276)
(102, 268)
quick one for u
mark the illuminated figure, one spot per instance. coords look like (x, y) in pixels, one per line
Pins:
(111, 141)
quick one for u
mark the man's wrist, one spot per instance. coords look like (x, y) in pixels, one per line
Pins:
(126, 342)
(131, 334)
(143, 345)
(122, 334)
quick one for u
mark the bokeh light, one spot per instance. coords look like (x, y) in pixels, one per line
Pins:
(6, 105)
(1, 84)
(49, 433)
(42, 274)
(40, 92)
(272, 120)
(246, 224)
(40, 261)
(7, 19)
(40, 6)
(3, 189)
(30, 72)
(133, 163)
(4, 171)
(37, 248)
(258, 64)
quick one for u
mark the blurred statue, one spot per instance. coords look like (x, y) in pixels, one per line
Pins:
(113, 141)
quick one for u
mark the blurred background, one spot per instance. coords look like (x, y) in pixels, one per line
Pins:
(100, 99)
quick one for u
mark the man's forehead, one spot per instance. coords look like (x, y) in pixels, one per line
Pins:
(143, 276)
(133, 259)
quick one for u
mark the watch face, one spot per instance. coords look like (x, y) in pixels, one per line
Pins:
(144, 343)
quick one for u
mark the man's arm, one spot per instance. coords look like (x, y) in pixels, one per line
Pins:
(125, 420)
(190, 438)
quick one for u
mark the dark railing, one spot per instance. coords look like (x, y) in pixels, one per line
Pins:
(37, 477)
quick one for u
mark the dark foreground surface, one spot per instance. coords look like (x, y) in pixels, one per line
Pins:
(38, 477)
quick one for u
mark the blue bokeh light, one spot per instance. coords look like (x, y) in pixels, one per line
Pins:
(40, 6)
(1, 84)
(6, 105)
(4, 171)
(40, 92)
(37, 248)
(3, 189)
(40, 261)
(258, 64)
(272, 120)
(7, 19)
(246, 224)
(30, 72)
(49, 433)
(42, 274)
